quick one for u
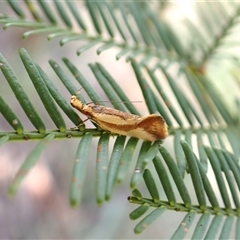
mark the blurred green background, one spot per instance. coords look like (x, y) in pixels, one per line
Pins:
(41, 208)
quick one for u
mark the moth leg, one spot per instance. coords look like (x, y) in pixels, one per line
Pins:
(106, 131)
(113, 136)
(110, 133)
(76, 127)
(83, 122)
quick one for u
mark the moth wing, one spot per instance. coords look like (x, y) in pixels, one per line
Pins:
(114, 116)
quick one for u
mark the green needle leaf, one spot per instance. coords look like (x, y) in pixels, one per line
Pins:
(28, 164)
(101, 168)
(79, 170)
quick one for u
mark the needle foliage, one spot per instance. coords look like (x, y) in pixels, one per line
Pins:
(173, 64)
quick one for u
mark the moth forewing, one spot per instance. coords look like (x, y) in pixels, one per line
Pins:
(111, 115)
(149, 128)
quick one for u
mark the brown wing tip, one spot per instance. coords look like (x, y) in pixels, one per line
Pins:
(155, 125)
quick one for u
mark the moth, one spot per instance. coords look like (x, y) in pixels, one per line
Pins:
(149, 128)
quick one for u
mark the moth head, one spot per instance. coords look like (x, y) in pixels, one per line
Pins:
(76, 103)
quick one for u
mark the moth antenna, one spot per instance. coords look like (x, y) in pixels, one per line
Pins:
(122, 101)
(116, 102)
(78, 91)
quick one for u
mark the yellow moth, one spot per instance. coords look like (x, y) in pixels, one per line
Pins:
(149, 128)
